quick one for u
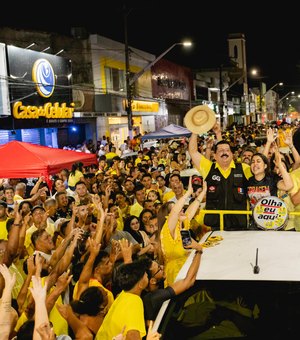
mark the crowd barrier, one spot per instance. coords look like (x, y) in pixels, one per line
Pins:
(221, 213)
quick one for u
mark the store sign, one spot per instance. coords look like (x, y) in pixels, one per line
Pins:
(40, 86)
(142, 106)
(48, 111)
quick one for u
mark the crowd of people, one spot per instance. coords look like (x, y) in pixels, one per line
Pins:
(74, 256)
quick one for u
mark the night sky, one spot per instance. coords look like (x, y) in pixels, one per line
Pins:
(271, 31)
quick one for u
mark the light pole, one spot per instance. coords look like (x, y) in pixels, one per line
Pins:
(271, 88)
(281, 99)
(263, 95)
(279, 103)
(130, 80)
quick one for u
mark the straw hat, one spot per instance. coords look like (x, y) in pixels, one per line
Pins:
(200, 119)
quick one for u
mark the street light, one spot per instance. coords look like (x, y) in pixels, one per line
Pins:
(281, 99)
(130, 80)
(271, 88)
(279, 103)
(136, 76)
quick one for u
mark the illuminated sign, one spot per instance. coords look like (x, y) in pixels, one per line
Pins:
(48, 111)
(40, 88)
(138, 105)
(44, 77)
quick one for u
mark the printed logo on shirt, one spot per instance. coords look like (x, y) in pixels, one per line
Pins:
(240, 190)
(212, 188)
(216, 178)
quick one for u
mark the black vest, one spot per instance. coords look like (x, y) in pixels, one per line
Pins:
(226, 194)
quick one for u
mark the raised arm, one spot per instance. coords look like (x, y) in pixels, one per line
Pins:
(184, 284)
(173, 217)
(87, 270)
(289, 141)
(286, 183)
(194, 206)
(39, 293)
(5, 303)
(81, 331)
(217, 130)
(270, 139)
(193, 150)
(101, 214)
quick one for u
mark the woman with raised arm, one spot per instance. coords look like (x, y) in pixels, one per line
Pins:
(174, 255)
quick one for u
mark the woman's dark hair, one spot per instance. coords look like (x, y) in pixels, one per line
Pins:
(25, 202)
(76, 166)
(142, 226)
(128, 275)
(89, 302)
(286, 161)
(135, 234)
(25, 332)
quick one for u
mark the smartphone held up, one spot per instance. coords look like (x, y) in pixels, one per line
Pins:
(185, 237)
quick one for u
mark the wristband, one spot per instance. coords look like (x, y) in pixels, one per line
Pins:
(199, 252)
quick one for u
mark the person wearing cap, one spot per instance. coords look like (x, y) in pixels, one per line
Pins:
(39, 221)
(226, 183)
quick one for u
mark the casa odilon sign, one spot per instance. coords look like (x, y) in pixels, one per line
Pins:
(39, 89)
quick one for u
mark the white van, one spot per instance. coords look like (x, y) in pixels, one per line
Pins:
(247, 286)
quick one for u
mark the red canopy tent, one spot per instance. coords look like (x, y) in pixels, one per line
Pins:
(26, 160)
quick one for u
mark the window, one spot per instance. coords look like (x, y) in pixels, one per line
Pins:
(115, 79)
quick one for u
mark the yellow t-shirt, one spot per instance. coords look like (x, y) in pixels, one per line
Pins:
(27, 243)
(282, 136)
(110, 155)
(295, 174)
(136, 209)
(3, 231)
(60, 325)
(119, 316)
(168, 195)
(173, 252)
(205, 166)
(73, 179)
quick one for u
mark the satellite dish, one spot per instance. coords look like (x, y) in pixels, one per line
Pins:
(78, 99)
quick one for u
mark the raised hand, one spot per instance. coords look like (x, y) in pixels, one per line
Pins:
(45, 331)
(9, 278)
(38, 291)
(151, 335)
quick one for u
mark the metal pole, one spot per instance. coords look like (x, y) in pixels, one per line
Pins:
(221, 98)
(260, 99)
(136, 76)
(127, 74)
